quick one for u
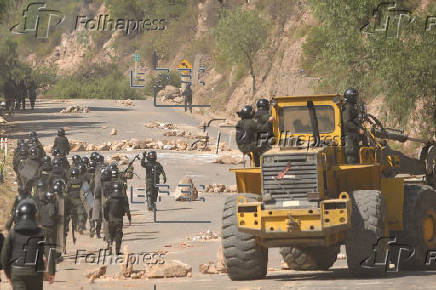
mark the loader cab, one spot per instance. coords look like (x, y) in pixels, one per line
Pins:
(300, 121)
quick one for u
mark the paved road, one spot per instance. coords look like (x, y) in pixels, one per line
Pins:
(177, 220)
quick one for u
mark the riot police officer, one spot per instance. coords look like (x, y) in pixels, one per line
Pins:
(23, 194)
(114, 209)
(64, 161)
(58, 171)
(91, 177)
(76, 160)
(74, 205)
(48, 217)
(263, 116)
(18, 264)
(85, 161)
(247, 133)
(153, 171)
(351, 126)
(61, 143)
(101, 174)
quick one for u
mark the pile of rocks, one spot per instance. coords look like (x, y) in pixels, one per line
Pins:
(184, 134)
(216, 267)
(170, 94)
(126, 103)
(204, 236)
(220, 188)
(75, 109)
(159, 125)
(169, 269)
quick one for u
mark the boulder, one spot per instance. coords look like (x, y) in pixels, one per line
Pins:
(114, 131)
(184, 196)
(229, 159)
(2, 120)
(232, 188)
(90, 147)
(171, 91)
(48, 148)
(97, 273)
(103, 147)
(168, 147)
(77, 147)
(171, 268)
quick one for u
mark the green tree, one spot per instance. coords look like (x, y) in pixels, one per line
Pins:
(239, 36)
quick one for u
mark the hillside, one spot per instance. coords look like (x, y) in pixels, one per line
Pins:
(308, 47)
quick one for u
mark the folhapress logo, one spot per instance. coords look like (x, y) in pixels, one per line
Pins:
(37, 19)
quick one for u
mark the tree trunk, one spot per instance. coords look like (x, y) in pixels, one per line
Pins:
(252, 75)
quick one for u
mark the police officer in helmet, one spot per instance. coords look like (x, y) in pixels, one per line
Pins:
(351, 126)
(247, 133)
(18, 264)
(153, 170)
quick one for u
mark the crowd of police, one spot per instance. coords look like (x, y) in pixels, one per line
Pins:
(52, 194)
(16, 94)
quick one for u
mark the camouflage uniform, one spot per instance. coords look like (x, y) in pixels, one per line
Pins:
(153, 171)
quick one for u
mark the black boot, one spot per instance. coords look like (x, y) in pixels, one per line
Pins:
(109, 248)
(118, 247)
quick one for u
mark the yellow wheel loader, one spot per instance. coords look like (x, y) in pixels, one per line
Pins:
(307, 200)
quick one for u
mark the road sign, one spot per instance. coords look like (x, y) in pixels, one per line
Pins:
(136, 57)
(184, 64)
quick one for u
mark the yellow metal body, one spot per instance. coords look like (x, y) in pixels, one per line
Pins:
(328, 223)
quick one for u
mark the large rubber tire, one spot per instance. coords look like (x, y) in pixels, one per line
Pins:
(419, 202)
(310, 259)
(244, 257)
(368, 225)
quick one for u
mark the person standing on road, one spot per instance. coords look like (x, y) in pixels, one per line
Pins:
(61, 143)
(32, 94)
(187, 93)
(153, 170)
(115, 207)
(23, 250)
(97, 209)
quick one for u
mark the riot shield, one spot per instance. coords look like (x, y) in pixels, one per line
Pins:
(60, 237)
(87, 197)
(28, 171)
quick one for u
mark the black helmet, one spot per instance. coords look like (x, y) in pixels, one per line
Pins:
(33, 134)
(46, 159)
(61, 132)
(26, 215)
(23, 150)
(91, 167)
(85, 160)
(56, 152)
(60, 183)
(152, 156)
(76, 159)
(50, 196)
(247, 112)
(105, 174)
(262, 104)
(82, 168)
(351, 95)
(58, 186)
(94, 156)
(75, 172)
(100, 158)
(113, 165)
